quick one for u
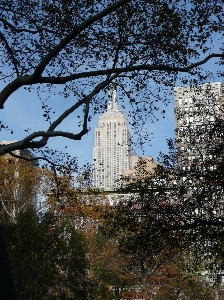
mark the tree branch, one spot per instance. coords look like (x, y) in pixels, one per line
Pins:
(16, 29)
(29, 79)
(13, 86)
(35, 77)
(54, 52)
(10, 52)
(86, 100)
(28, 142)
(62, 80)
(31, 159)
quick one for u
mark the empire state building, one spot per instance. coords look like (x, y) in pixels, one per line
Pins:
(111, 153)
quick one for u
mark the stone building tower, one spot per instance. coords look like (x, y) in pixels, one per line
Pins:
(111, 152)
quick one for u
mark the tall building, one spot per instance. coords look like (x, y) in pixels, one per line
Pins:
(111, 153)
(197, 109)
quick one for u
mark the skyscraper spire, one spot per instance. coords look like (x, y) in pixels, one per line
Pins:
(112, 104)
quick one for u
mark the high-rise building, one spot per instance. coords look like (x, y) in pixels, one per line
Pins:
(197, 110)
(111, 153)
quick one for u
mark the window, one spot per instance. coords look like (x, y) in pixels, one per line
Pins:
(199, 119)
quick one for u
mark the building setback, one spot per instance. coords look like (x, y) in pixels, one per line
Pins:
(111, 153)
(141, 168)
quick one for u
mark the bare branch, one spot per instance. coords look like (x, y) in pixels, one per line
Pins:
(86, 114)
(16, 29)
(39, 158)
(27, 80)
(86, 100)
(10, 52)
(31, 159)
(62, 80)
(54, 52)
(28, 142)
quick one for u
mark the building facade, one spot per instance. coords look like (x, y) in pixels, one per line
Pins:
(111, 152)
(140, 169)
(23, 153)
(197, 111)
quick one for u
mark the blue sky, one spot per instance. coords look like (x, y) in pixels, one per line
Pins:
(23, 111)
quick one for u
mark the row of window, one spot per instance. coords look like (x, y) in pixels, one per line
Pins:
(200, 101)
(196, 119)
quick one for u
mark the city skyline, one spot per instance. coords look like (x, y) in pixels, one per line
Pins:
(162, 129)
(196, 109)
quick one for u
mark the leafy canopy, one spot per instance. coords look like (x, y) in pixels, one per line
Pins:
(76, 49)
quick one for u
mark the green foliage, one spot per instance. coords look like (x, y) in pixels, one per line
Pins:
(47, 260)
